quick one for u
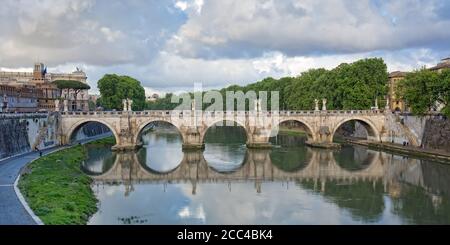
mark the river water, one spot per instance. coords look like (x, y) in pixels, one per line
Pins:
(289, 184)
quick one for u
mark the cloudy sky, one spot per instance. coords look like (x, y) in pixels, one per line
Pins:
(169, 45)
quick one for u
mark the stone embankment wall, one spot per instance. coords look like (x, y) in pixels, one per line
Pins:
(404, 128)
(21, 133)
(431, 131)
(437, 134)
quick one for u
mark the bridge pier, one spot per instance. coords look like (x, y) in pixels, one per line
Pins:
(258, 137)
(193, 146)
(192, 138)
(120, 148)
(259, 145)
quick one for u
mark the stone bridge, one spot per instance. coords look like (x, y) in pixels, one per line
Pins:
(320, 126)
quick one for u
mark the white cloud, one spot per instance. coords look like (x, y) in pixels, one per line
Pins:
(199, 5)
(181, 5)
(216, 42)
(195, 5)
(250, 28)
(89, 31)
(110, 35)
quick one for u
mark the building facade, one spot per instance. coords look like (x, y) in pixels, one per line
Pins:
(396, 104)
(18, 99)
(153, 98)
(48, 95)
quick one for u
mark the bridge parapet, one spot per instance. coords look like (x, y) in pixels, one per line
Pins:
(220, 113)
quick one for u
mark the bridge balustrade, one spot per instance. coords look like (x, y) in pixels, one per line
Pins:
(213, 114)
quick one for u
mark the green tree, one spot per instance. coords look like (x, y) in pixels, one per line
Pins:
(114, 89)
(420, 89)
(359, 84)
(443, 91)
(348, 86)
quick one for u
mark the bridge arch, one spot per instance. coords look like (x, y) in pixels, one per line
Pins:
(372, 131)
(309, 130)
(137, 137)
(291, 161)
(224, 120)
(78, 125)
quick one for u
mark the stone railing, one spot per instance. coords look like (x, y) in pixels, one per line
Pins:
(330, 112)
(222, 113)
(6, 115)
(24, 113)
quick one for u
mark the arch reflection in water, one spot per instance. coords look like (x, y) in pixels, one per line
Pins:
(289, 152)
(257, 166)
(354, 158)
(161, 151)
(225, 146)
(383, 188)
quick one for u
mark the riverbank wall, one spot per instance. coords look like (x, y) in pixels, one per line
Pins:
(23, 133)
(429, 132)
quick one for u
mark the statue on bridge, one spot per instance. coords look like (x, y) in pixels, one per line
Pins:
(316, 101)
(130, 103)
(127, 104)
(124, 102)
(66, 105)
(324, 104)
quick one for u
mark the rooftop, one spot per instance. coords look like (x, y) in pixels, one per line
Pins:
(397, 74)
(445, 63)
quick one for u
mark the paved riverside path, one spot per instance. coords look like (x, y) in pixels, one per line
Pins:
(12, 211)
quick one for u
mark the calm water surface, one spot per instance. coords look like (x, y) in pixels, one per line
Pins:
(290, 184)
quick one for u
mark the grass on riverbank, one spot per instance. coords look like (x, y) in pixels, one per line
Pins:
(57, 190)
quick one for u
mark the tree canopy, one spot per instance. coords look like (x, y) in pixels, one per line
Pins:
(425, 90)
(71, 84)
(348, 86)
(114, 88)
